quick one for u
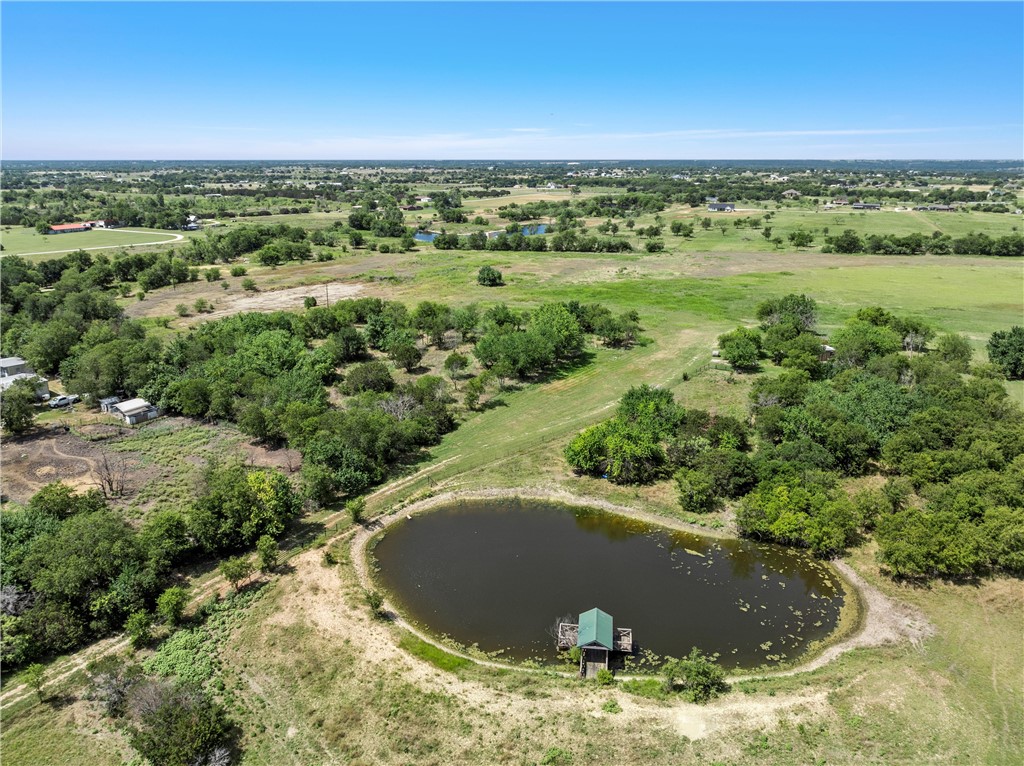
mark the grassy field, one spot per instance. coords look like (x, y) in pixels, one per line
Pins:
(28, 242)
(313, 680)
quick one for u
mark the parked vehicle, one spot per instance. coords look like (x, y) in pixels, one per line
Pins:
(64, 400)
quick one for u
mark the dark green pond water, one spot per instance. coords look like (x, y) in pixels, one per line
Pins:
(499, 573)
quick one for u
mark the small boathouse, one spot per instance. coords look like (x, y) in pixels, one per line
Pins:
(597, 637)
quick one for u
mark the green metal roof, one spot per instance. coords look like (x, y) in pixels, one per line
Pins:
(595, 628)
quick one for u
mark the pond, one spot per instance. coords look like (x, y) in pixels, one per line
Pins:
(499, 573)
(533, 228)
(527, 230)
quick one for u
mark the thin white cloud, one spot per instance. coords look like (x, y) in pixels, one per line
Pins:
(529, 143)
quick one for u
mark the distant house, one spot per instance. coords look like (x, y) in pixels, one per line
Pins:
(940, 208)
(412, 207)
(134, 411)
(866, 206)
(791, 194)
(827, 352)
(14, 368)
(711, 199)
(423, 200)
(840, 201)
(67, 228)
(721, 207)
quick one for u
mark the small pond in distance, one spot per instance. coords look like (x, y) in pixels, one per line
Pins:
(533, 228)
(498, 573)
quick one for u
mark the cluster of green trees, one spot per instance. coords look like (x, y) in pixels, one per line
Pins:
(630, 204)
(945, 435)
(787, 337)
(918, 244)
(955, 441)
(522, 345)
(72, 569)
(567, 240)
(278, 243)
(652, 437)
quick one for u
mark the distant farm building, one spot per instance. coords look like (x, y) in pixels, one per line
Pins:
(827, 352)
(597, 638)
(791, 194)
(134, 411)
(940, 208)
(838, 201)
(67, 228)
(14, 368)
(866, 206)
(721, 207)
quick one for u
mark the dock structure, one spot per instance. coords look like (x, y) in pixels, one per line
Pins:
(597, 637)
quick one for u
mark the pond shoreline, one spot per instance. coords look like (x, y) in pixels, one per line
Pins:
(869, 618)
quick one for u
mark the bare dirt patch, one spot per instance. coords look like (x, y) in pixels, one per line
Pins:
(281, 300)
(31, 463)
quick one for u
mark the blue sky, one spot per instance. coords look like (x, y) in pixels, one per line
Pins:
(513, 80)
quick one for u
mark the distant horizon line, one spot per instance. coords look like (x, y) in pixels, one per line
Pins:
(525, 159)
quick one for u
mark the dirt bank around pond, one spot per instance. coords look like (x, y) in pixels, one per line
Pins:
(878, 621)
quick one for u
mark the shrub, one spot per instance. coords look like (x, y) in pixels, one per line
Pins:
(171, 604)
(139, 627)
(375, 601)
(611, 706)
(356, 508)
(238, 271)
(605, 677)
(236, 570)
(269, 552)
(370, 376)
(249, 284)
(488, 276)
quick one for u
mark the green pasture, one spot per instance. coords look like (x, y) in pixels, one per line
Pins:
(20, 240)
(519, 436)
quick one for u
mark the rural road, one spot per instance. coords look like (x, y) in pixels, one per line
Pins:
(173, 238)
